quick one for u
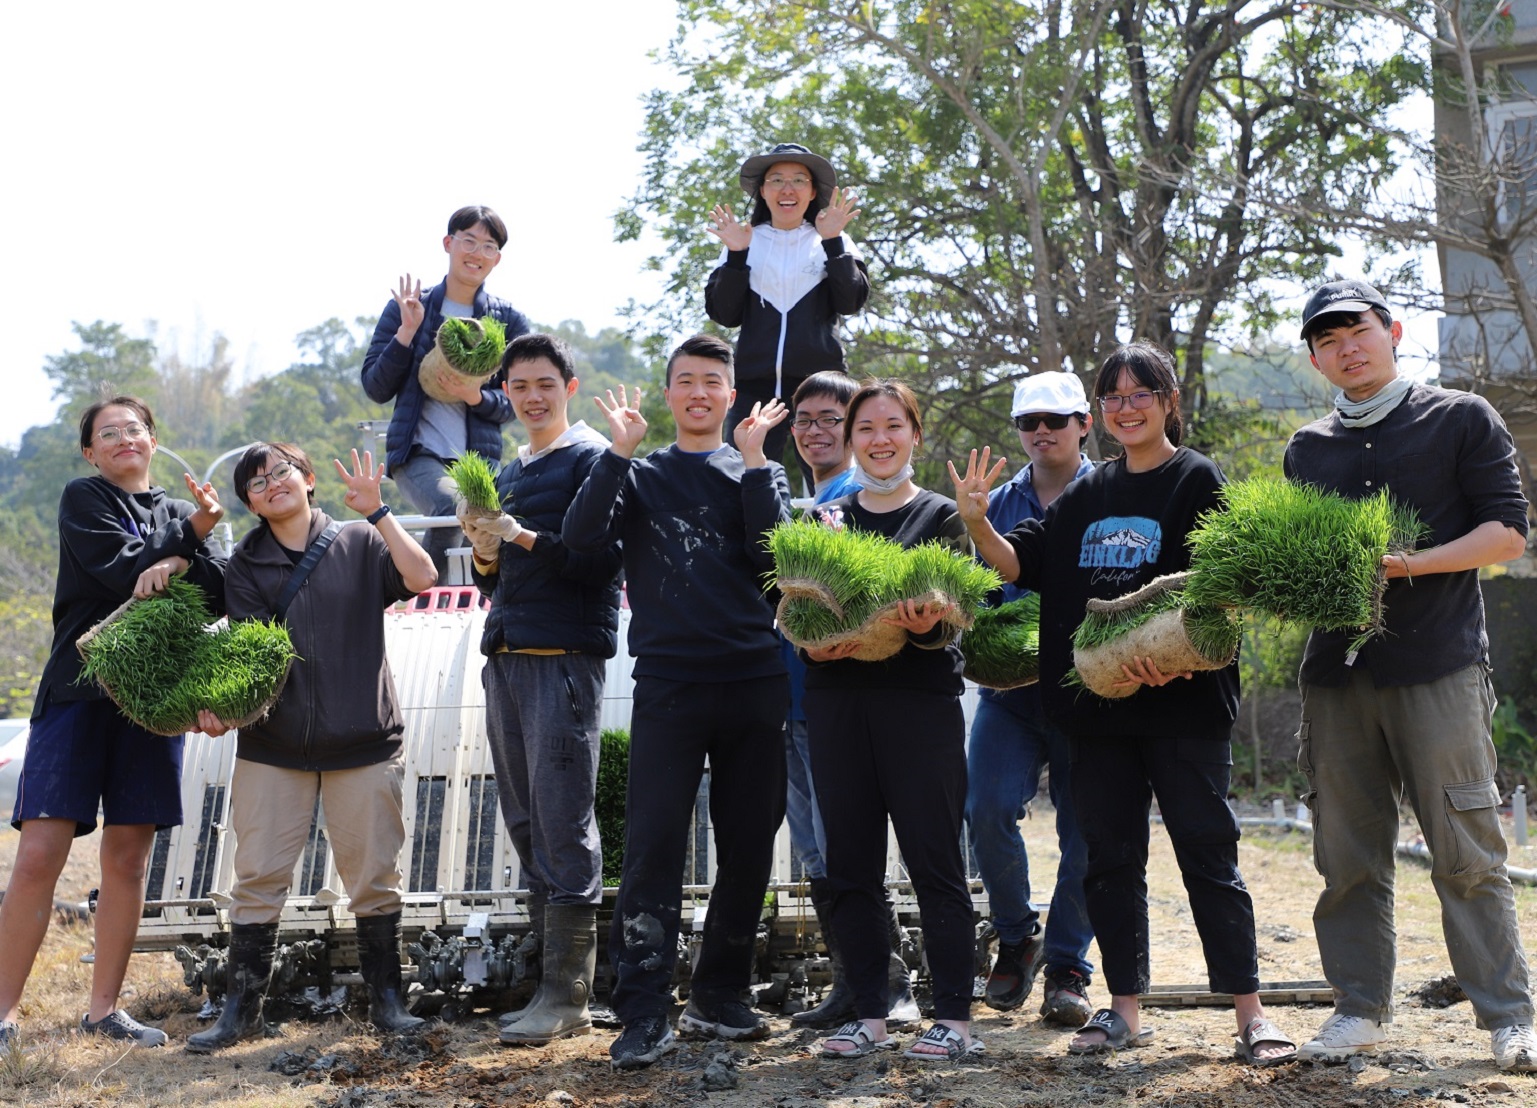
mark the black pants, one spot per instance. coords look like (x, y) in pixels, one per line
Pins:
(674, 727)
(1114, 781)
(899, 753)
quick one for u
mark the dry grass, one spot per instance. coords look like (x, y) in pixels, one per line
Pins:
(1190, 1062)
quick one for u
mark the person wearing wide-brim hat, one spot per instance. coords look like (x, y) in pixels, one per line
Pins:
(788, 274)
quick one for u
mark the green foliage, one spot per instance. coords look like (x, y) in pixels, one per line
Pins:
(613, 780)
(937, 567)
(161, 665)
(473, 346)
(1515, 746)
(1002, 646)
(473, 476)
(1299, 554)
(1037, 181)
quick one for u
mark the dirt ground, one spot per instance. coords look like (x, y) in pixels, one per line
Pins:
(1433, 1054)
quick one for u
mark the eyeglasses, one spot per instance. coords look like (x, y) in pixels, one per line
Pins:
(1030, 422)
(796, 182)
(476, 246)
(826, 422)
(109, 436)
(277, 473)
(1110, 402)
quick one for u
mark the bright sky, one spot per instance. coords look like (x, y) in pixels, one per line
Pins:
(254, 170)
(257, 169)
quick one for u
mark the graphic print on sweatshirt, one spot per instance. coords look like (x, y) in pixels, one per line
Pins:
(1117, 547)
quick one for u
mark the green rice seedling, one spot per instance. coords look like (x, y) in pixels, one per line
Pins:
(476, 481)
(854, 569)
(805, 619)
(474, 347)
(1302, 555)
(1158, 621)
(1002, 645)
(160, 663)
(1100, 628)
(937, 567)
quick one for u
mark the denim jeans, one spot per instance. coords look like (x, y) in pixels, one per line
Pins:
(1011, 742)
(806, 833)
(425, 482)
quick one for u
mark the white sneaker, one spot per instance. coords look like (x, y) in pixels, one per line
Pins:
(1515, 1048)
(1340, 1037)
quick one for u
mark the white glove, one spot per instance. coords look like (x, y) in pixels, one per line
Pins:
(485, 531)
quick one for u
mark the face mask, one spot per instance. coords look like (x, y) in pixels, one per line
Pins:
(887, 484)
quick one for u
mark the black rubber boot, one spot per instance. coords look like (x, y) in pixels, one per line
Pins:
(248, 969)
(536, 918)
(570, 957)
(379, 954)
(837, 1006)
(903, 1008)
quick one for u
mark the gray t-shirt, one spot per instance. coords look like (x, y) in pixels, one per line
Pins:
(442, 430)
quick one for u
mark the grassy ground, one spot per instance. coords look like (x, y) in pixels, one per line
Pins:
(1433, 1056)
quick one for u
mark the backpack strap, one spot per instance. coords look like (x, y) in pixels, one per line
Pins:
(302, 570)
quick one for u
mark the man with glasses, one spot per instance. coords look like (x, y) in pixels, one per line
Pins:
(1408, 713)
(425, 435)
(1012, 741)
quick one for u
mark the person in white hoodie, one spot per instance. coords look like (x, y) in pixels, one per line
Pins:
(788, 274)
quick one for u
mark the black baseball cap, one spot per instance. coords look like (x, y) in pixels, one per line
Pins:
(1341, 296)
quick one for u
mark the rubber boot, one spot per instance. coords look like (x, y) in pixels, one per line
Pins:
(903, 1008)
(837, 1006)
(379, 954)
(248, 970)
(570, 957)
(536, 916)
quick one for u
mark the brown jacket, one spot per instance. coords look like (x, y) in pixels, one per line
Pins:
(338, 709)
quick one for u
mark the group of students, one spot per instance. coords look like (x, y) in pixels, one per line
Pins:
(860, 743)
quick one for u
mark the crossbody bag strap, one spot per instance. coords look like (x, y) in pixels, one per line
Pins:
(302, 570)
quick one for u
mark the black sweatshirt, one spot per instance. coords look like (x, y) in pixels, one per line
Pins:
(107, 538)
(693, 527)
(932, 662)
(1110, 532)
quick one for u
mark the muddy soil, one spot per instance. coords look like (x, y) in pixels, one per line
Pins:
(1435, 1054)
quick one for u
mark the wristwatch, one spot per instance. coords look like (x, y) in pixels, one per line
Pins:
(379, 513)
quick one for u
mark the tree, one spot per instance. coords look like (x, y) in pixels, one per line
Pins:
(108, 364)
(1039, 180)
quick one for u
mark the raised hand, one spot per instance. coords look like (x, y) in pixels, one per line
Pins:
(408, 298)
(362, 483)
(725, 226)
(971, 489)
(751, 432)
(838, 214)
(209, 510)
(626, 426)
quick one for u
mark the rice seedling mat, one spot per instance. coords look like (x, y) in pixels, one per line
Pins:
(470, 348)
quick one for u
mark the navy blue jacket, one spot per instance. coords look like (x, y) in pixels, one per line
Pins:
(551, 597)
(389, 373)
(693, 527)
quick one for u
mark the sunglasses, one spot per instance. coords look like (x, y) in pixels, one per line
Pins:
(1030, 422)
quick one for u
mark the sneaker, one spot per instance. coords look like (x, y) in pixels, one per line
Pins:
(642, 1043)
(120, 1025)
(730, 1019)
(1014, 972)
(1066, 1000)
(9, 1033)
(1340, 1037)
(1515, 1048)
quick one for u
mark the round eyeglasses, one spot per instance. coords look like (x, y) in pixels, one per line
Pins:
(111, 436)
(277, 473)
(476, 246)
(1111, 402)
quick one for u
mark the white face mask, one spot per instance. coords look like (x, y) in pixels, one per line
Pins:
(887, 484)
